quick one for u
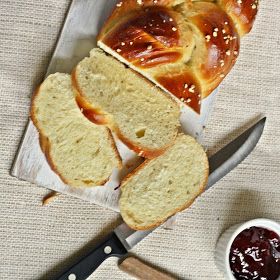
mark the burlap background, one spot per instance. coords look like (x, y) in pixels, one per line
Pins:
(38, 242)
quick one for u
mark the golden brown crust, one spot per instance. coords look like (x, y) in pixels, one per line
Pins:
(91, 110)
(46, 146)
(147, 43)
(221, 42)
(243, 13)
(135, 171)
(113, 144)
(152, 36)
(43, 141)
(50, 197)
(176, 210)
(184, 86)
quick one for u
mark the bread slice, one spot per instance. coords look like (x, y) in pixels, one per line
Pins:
(143, 117)
(82, 153)
(160, 187)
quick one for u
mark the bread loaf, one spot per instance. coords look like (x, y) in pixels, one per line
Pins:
(186, 47)
(82, 153)
(142, 116)
(160, 187)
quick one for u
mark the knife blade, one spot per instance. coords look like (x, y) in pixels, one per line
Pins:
(123, 239)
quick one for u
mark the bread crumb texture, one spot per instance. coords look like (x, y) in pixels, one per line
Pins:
(165, 185)
(142, 115)
(81, 152)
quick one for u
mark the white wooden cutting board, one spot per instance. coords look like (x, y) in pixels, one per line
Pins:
(78, 37)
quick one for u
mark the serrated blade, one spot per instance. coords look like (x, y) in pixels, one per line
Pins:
(220, 164)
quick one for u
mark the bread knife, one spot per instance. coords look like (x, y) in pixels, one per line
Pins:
(123, 239)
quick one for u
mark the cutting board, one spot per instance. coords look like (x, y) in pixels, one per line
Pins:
(77, 38)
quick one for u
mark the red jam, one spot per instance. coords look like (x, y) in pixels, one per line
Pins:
(255, 254)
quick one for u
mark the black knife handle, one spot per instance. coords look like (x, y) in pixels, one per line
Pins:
(110, 246)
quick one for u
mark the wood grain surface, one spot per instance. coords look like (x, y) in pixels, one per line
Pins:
(141, 270)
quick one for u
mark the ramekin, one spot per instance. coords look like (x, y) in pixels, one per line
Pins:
(225, 241)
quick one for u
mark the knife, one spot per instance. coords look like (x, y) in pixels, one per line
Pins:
(123, 239)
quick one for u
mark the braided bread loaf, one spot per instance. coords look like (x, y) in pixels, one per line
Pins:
(186, 47)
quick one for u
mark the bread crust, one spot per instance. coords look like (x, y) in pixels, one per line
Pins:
(176, 210)
(243, 14)
(152, 49)
(141, 151)
(43, 141)
(46, 146)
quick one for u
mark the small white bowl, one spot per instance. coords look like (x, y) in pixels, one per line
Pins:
(224, 243)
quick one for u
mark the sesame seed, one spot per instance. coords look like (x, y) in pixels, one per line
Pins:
(130, 43)
(216, 29)
(207, 37)
(235, 52)
(142, 59)
(122, 43)
(191, 89)
(186, 85)
(164, 21)
(170, 19)
(215, 34)
(222, 75)
(227, 41)
(174, 28)
(199, 95)
(119, 4)
(226, 23)
(150, 24)
(228, 52)
(239, 2)
(199, 102)
(149, 47)
(155, 1)
(182, 99)
(119, 50)
(139, 2)
(222, 63)
(223, 30)
(189, 100)
(254, 6)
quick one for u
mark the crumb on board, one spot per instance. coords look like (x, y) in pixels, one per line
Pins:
(50, 197)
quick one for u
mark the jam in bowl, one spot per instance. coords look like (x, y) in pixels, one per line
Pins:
(250, 251)
(255, 254)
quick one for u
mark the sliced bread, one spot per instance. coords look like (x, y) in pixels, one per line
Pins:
(160, 187)
(82, 153)
(143, 117)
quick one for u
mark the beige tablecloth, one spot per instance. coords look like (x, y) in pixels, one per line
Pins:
(39, 242)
